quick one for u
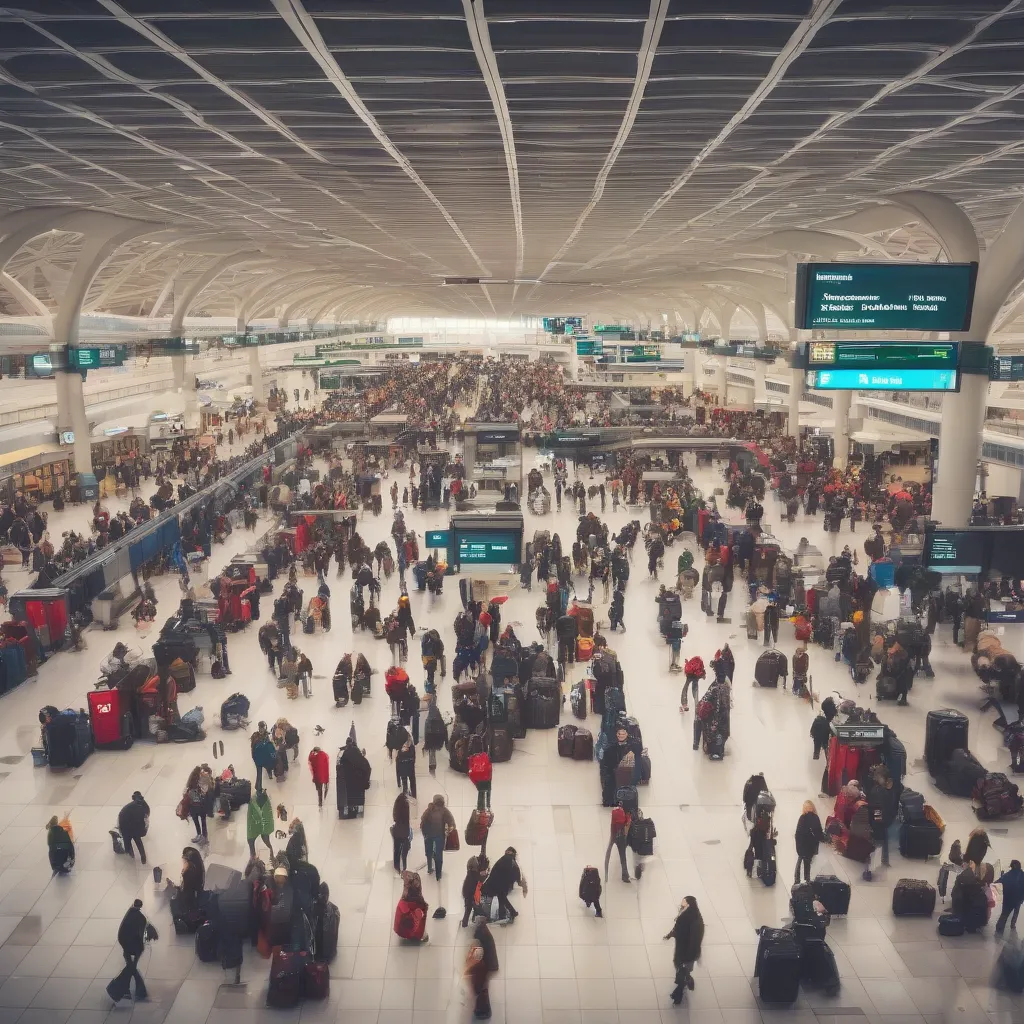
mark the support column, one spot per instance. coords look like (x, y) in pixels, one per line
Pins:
(256, 373)
(721, 382)
(797, 383)
(963, 416)
(841, 431)
(760, 388)
(71, 416)
(178, 372)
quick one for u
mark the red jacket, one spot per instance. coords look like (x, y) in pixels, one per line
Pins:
(479, 768)
(320, 766)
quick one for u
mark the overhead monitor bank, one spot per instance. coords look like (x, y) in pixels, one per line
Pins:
(976, 550)
(885, 296)
(883, 366)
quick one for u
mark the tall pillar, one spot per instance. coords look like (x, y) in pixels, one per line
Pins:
(256, 373)
(963, 416)
(178, 372)
(797, 382)
(721, 382)
(71, 416)
(841, 431)
(760, 386)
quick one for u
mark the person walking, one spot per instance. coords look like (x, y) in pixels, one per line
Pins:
(259, 821)
(132, 936)
(1012, 882)
(405, 767)
(503, 877)
(264, 753)
(471, 886)
(480, 773)
(320, 769)
(133, 824)
(481, 963)
(688, 932)
(401, 832)
(193, 802)
(809, 834)
(435, 823)
(619, 838)
(694, 672)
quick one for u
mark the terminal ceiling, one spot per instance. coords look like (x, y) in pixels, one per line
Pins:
(612, 157)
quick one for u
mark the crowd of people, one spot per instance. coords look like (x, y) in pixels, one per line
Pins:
(280, 902)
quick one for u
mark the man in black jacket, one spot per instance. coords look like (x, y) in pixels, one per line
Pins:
(131, 936)
(133, 821)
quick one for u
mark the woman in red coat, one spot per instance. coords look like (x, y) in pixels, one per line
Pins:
(320, 768)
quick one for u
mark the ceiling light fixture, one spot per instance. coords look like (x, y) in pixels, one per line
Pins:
(184, 167)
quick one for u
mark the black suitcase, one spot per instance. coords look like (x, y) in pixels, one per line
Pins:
(544, 711)
(818, 967)
(959, 774)
(779, 969)
(894, 754)
(913, 897)
(238, 792)
(767, 937)
(945, 730)
(886, 688)
(911, 806)
(207, 942)
(578, 700)
(499, 743)
(515, 714)
(716, 747)
(832, 893)
(950, 925)
(327, 926)
(920, 839)
(566, 740)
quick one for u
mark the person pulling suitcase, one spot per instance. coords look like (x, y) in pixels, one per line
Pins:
(133, 934)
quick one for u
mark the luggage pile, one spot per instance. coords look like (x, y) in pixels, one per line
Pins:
(798, 955)
(955, 769)
(995, 797)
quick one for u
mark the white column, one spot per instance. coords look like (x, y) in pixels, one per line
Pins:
(178, 371)
(256, 372)
(963, 415)
(841, 431)
(71, 416)
(797, 382)
(760, 389)
(721, 382)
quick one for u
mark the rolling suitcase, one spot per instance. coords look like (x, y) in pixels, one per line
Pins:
(959, 775)
(629, 798)
(768, 937)
(946, 730)
(716, 747)
(913, 897)
(583, 746)
(950, 925)
(316, 980)
(911, 806)
(207, 942)
(566, 740)
(832, 893)
(920, 839)
(500, 743)
(818, 967)
(578, 700)
(752, 631)
(287, 979)
(779, 969)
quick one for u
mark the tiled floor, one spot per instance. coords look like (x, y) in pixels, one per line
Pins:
(558, 964)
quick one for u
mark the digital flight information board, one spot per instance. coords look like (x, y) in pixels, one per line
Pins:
(963, 552)
(883, 366)
(563, 324)
(885, 296)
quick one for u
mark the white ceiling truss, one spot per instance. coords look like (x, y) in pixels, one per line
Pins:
(307, 157)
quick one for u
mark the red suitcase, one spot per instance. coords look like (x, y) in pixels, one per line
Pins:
(109, 727)
(317, 980)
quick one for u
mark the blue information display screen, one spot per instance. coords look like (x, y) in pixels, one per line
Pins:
(885, 380)
(437, 538)
(488, 547)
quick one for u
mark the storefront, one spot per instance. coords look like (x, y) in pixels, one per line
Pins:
(37, 472)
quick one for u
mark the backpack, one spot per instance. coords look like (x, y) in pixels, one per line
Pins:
(694, 667)
(217, 670)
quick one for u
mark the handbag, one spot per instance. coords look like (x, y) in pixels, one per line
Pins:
(182, 809)
(451, 840)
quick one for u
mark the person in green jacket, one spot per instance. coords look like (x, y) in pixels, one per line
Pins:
(259, 822)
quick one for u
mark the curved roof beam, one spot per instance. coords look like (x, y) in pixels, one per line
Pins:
(305, 30)
(265, 293)
(944, 220)
(198, 284)
(480, 36)
(645, 61)
(30, 303)
(1002, 269)
(314, 293)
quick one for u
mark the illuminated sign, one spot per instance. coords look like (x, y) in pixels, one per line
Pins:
(490, 547)
(884, 380)
(438, 538)
(885, 296)
(563, 324)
